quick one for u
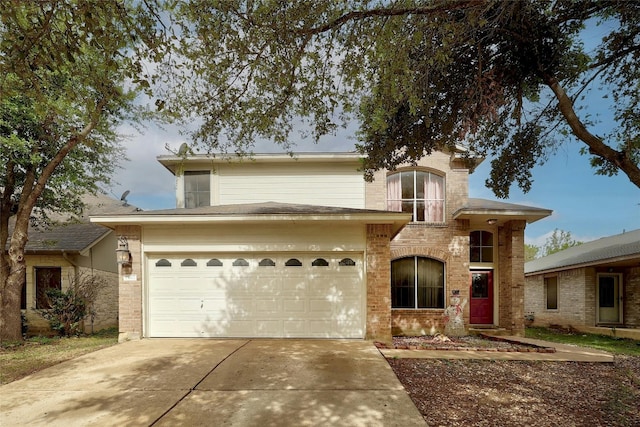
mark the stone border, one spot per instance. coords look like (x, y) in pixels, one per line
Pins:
(532, 347)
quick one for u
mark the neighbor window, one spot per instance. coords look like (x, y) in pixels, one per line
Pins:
(551, 292)
(419, 193)
(196, 189)
(481, 246)
(46, 278)
(417, 282)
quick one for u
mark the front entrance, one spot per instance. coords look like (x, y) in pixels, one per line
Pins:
(609, 296)
(481, 292)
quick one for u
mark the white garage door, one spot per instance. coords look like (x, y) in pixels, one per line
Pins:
(256, 295)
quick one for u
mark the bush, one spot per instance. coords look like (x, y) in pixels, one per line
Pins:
(70, 307)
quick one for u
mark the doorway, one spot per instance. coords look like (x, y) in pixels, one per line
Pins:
(609, 298)
(481, 292)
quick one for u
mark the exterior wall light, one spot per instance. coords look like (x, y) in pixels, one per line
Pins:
(492, 221)
(123, 256)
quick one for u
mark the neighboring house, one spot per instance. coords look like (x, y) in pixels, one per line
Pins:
(56, 256)
(593, 284)
(281, 246)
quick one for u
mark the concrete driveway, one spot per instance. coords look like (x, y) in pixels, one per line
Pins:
(170, 382)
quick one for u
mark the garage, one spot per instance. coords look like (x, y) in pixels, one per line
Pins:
(256, 294)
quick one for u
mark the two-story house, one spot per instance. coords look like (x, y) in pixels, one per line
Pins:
(302, 246)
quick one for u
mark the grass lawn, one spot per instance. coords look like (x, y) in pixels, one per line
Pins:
(601, 342)
(18, 360)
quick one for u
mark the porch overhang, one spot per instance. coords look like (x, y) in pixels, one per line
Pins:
(482, 211)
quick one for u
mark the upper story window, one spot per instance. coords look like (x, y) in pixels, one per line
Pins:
(481, 246)
(419, 193)
(196, 189)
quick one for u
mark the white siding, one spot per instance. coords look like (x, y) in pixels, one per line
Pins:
(324, 184)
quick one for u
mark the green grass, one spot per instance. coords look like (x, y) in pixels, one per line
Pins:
(17, 360)
(613, 345)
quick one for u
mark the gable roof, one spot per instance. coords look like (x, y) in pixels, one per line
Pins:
(257, 212)
(75, 235)
(607, 250)
(484, 210)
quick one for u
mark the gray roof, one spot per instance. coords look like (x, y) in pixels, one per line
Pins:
(483, 209)
(266, 208)
(75, 235)
(607, 249)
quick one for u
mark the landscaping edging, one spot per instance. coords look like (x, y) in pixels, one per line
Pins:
(526, 347)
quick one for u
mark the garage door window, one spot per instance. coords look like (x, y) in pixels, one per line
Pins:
(189, 263)
(214, 262)
(267, 262)
(241, 262)
(163, 263)
(320, 262)
(417, 282)
(347, 262)
(293, 262)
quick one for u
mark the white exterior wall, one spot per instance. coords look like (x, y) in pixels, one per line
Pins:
(326, 184)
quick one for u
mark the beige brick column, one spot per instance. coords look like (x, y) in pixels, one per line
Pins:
(511, 264)
(378, 282)
(130, 286)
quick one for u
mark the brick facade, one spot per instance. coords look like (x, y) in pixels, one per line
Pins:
(378, 324)
(511, 277)
(130, 289)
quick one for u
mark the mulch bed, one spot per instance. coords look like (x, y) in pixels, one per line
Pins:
(464, 343)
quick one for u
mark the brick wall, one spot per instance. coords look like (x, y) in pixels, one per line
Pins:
(130, 286)
(511, 276)
(632, 298)
(378, 279)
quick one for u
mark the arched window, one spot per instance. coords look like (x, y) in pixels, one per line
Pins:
(417, 282)
(320, 262)
(241, 262)
(267, 262)
(163, 263)
(293, 262)
(347, 262)
(214, 262)
(481, 246)
(419, 193)
(188, 263)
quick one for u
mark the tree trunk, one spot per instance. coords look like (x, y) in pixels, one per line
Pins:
(12, 283)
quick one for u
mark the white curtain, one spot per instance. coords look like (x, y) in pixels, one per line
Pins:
(434, 195)
(394, 193)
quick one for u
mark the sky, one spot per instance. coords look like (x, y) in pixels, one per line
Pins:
(587, 205)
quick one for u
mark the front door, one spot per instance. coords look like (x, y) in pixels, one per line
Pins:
(609, 307)
(481, 305)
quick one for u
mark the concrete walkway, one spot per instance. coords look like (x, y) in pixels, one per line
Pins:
(563, 353)
(215, 382)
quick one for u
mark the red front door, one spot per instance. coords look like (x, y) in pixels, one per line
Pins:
(481, 291)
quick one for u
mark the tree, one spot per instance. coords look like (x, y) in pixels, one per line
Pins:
(506, 78)
(530, 252)
(558, 241)
(69, 73)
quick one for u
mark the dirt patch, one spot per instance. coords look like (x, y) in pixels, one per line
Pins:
(510, 393)
(472, 342)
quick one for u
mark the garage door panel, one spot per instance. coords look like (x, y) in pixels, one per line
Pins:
(223, 300)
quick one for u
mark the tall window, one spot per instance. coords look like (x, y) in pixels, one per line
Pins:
(196, 189)
(481, 246)
(417, 282)
(46, 278)
(551, 292)
(417, 192)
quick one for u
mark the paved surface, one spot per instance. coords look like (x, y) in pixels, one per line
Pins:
(215, 382)
(563, 353)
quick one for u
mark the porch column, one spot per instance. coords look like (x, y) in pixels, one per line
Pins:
(511, 268)
(130, 286)
(378, 283)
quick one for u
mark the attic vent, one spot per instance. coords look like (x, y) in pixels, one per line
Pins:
(214, 262)
(347, 262)
(163, 263)
(293, 262)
